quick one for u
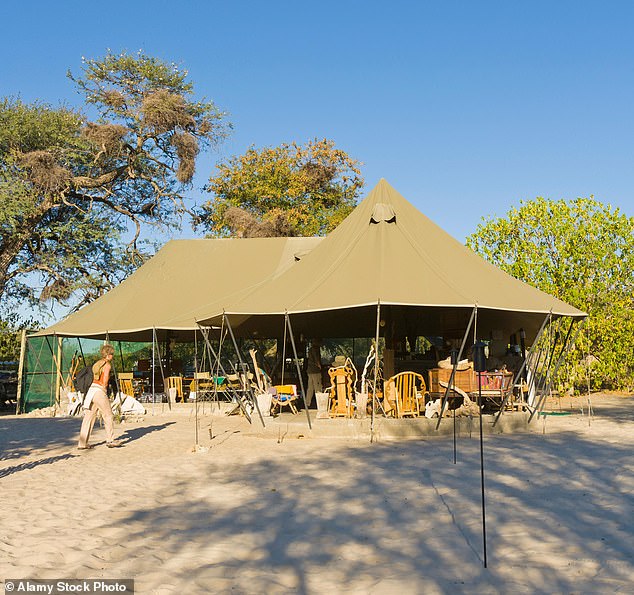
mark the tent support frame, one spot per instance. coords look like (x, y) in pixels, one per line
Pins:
(520, 373)
(205, 336)
(244, 370)
(567, 343)
(474, 314)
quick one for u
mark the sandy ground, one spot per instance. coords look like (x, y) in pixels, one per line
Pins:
(246, 514)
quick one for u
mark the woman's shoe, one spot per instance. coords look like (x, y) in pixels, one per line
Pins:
(87, 447)
(114, 444)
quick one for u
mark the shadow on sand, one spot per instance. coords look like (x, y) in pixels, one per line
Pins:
(403, 511)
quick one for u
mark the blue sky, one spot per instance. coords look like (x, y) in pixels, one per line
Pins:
(464, 107)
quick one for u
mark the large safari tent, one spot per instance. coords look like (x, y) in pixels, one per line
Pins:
(386, 273)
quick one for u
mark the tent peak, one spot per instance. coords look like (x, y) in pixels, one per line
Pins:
(383, 212)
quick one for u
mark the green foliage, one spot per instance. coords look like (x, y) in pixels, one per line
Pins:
(582, 252)
(9, 342)
(286, 190)
(71, 190)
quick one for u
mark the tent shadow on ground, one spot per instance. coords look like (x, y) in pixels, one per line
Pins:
(45, 434)
(402, 514)
(53, 434)
(32, 464)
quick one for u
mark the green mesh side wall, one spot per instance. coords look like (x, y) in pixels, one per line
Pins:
(39, 377)
(38, 385)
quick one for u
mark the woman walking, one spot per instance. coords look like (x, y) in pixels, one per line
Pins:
(97, 400)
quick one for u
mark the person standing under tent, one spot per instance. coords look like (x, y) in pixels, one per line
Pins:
(97, 400)
(314, 370)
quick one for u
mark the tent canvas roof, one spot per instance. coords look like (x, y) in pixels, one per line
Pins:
(389, 252)
(169, 290)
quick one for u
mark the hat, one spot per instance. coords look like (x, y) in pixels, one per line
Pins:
(340, 360)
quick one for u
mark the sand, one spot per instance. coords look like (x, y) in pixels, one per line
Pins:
(249, 514)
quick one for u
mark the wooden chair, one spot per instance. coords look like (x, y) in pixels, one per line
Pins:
(285, 395)
(125, 383)
(496, 386)
(177, 383)
(341, 391)
(410, 389)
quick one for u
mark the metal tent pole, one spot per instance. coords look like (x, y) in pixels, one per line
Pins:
(284, 352)
(21, 371)
(376, 367)
(479, 364)
(196, 385)
(158, 348)
(153, 367)
(455, 366)
(299, 372)
(121, 356)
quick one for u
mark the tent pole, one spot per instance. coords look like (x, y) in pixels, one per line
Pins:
(114, 368)
(196, 385)
(81, 350)
(520, 373)
(299, 372)
(244, 369)
(158, 348)
(484, 530)
(153, 367)
(284, 352)
(455, 366)
(376, 367)
(59, 380)
(195, 353)
(21, 371)
(121, 356)
(220, 342)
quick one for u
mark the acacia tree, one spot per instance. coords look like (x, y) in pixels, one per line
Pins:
(70, 188)
(582, 252)
(282, 191)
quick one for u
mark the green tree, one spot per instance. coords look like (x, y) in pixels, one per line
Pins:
(582, 252)
(286, 190)
(72, 189)
(9, 342)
